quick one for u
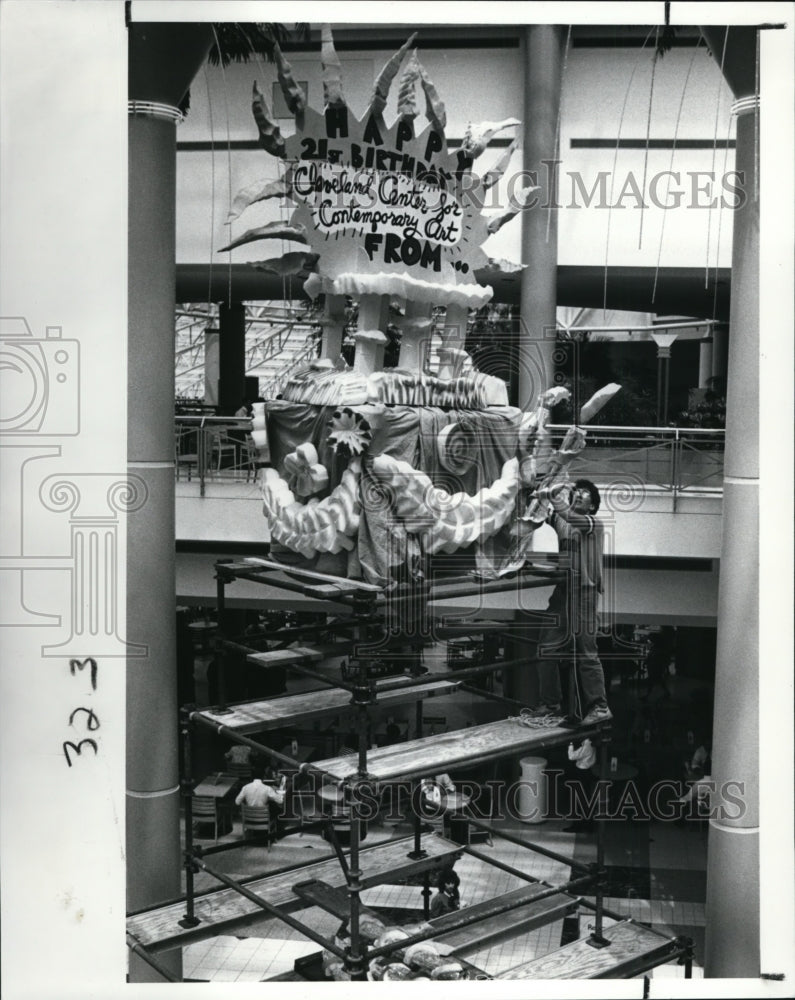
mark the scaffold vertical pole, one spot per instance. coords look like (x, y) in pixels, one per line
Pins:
(220, 653)
(597, 939)
(186, 785)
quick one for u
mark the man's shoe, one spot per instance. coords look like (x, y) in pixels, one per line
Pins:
(597, 715)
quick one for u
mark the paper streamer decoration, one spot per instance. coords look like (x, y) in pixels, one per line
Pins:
(599, 399)
(522, 201)
(294, 262)
(407, 94)
(293, 93)
(435, 110)
(386, 76)
(498, 170)
(270, 136)
(478, 138)
(332, 71)
(259, 191)
(271, 231)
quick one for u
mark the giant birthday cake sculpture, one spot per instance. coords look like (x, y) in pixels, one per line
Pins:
(375, 469)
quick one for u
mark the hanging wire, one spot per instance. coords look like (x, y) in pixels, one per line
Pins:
(228, 150)
(671, 167)
(648, 132)
(556, 152)
(615, 162)
(212, 194)
(720, 221)
(715, 146)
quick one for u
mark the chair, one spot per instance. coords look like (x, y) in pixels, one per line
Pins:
(220, 444)
(259, 820)
(249, 456)
(243, 772)
(183, 459)
(207, 809)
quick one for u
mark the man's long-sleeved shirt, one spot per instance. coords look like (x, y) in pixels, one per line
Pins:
(581, 538)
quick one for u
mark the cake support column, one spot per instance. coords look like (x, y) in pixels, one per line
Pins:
(452, 354)
(415, 336)
(370, 341)
(333, 327)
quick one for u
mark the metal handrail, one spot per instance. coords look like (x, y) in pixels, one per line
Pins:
(668, 431)
(656, 456)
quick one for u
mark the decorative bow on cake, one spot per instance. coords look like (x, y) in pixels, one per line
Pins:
(305, 475)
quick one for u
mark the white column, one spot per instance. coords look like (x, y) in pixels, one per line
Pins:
(370, 340)
(732, 906)
(333, 327)
(415, 336)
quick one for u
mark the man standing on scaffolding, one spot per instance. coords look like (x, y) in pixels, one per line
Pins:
(574, 605)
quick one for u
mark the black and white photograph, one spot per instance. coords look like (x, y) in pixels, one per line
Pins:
(396, 449)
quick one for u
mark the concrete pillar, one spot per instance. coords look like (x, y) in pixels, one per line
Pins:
(732, 947)
(542, 54)
(163, 60)
(232, 357)
(705, 354)
(720, 351)
(542, 58)
(212, 366)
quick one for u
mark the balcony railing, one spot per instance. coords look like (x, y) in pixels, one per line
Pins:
(674, 460)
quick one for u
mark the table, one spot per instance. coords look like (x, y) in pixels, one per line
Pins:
(216, 786)
(623, 774)
(219, 787)
(332, 804)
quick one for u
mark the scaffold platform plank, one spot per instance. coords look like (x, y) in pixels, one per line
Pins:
(299, 654)
(631, 945)
(255, 716)
(445, 751)
(499, 923)
(158, 929)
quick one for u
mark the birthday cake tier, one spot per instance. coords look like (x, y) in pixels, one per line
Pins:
(431, 293)
(359, 490)
(323, 386)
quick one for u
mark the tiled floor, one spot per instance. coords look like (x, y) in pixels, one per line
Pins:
(674, 904)
(656, 875)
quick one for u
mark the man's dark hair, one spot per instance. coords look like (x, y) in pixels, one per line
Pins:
(596, 498)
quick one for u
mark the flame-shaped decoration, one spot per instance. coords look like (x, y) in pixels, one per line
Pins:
(407, 94)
